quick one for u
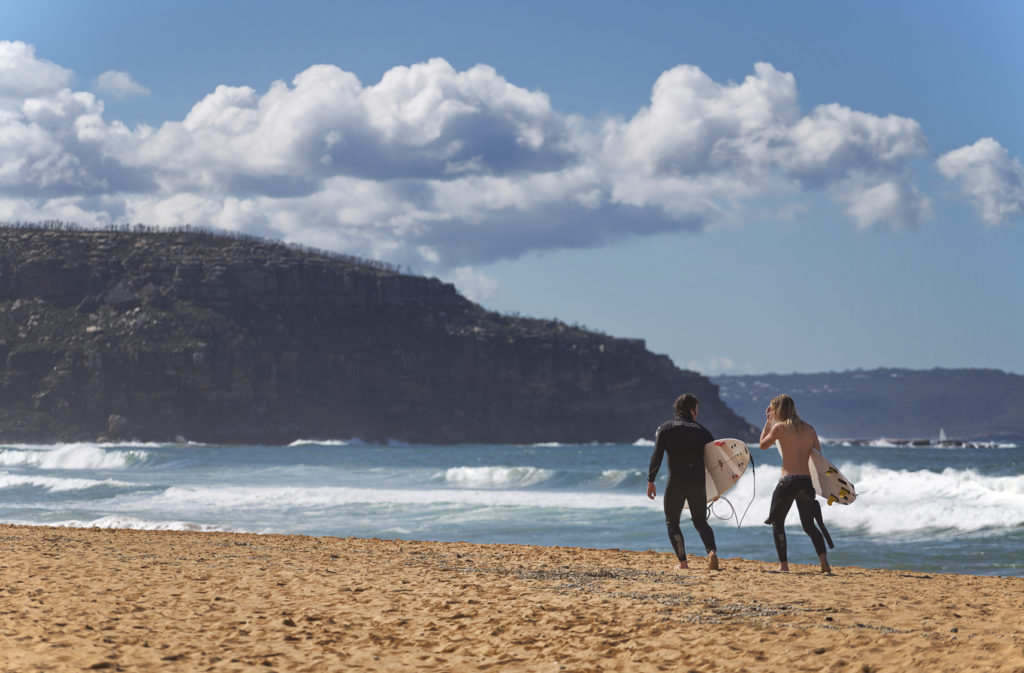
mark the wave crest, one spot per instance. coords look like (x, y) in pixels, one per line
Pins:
(82, 456)
(56, 484)
(492, 476)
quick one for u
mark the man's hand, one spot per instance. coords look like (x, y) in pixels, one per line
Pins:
(651, 491)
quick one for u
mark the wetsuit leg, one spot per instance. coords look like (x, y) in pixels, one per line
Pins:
(819, 519)
(782, 500)
(673, 504)
(805, 506)
(696, 495)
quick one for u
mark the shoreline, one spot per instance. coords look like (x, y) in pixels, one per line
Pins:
(117, 599)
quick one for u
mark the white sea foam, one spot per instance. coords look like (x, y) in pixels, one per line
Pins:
(322, 442)
(643, 442)
(889, 501)
(105, 445)
(903, 500)
(130, 523)
(56, 484)
(612, 478)
(952, 445)
(118, 521)
(83, 456)
(906, 501)
(499, 476)
(222, 499)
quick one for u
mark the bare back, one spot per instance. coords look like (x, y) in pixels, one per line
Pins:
(797, 444)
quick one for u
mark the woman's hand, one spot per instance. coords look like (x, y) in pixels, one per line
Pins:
(651, 491)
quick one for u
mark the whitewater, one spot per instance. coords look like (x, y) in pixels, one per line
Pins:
(923, 508)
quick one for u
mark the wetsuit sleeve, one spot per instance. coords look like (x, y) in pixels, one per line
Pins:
(659, 452)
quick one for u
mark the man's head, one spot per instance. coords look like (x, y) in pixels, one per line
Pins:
(686, 405)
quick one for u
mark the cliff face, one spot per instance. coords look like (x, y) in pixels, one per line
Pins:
(159, 335)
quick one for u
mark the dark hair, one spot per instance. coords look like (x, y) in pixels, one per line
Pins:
(685, 404)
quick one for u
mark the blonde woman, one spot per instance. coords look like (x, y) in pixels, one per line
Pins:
(797, 439)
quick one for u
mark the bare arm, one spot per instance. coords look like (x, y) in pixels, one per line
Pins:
(768, 434)
(816, 444)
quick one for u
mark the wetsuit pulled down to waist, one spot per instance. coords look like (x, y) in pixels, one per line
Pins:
(800, 489)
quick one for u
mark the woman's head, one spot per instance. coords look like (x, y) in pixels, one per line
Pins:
(784, 410)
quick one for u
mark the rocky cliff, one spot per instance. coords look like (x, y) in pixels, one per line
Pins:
(164, 335)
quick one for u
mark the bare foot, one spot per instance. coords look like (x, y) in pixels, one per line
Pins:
(825, 567)
(783, 567)
(713, 561)
(682, 566)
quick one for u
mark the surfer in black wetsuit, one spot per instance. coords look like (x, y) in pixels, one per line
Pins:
(797, 439)
(683, 439)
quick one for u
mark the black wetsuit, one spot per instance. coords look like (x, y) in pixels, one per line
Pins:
(801, 489)
(683, 439)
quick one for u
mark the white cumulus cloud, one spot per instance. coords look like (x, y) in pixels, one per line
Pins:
(23, 74)
(120, 84)
(440, 169)
(988, 176)
(703, 148)
(476, 285)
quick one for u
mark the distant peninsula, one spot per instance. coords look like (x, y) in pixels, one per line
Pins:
(158, 335)
(924, 406)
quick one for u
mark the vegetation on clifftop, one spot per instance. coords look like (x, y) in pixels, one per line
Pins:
(191, 334)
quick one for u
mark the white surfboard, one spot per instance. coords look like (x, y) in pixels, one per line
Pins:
(828, 481)
(725, 460)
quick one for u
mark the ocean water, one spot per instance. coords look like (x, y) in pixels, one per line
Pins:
(928, 509)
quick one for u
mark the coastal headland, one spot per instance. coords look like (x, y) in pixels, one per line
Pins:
(133, 333)
(947, 408)
(125, 600)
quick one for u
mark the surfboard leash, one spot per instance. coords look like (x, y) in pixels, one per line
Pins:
(753, 491)
(712, 512)
(739, 520)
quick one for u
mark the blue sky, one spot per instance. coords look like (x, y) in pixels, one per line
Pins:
(750, 187)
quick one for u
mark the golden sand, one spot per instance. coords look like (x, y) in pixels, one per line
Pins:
(120, 600)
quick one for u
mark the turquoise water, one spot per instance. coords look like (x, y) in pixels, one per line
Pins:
(922, 508)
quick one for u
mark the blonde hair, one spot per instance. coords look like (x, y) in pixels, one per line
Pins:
(784, 411)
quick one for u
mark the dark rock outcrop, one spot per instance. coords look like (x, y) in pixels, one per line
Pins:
(237, 340)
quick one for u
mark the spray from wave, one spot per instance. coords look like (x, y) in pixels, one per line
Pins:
(72, 457)
(57, 484)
